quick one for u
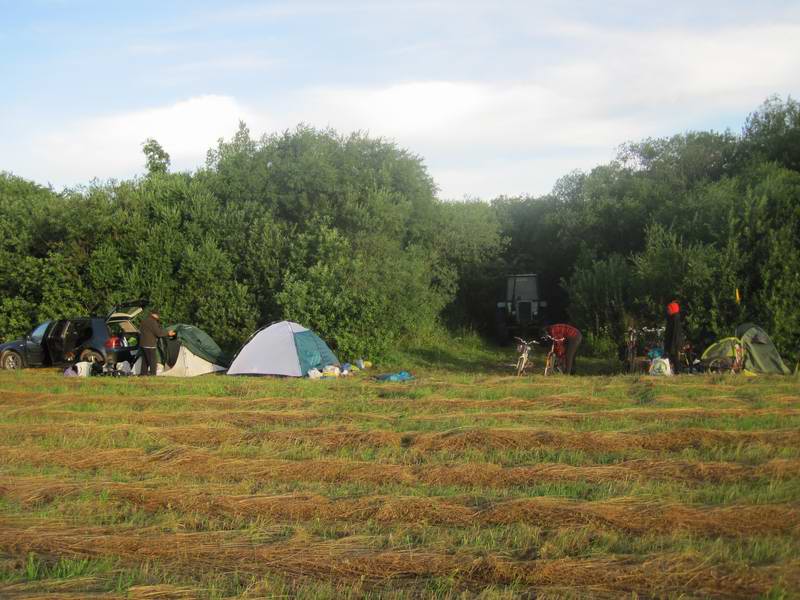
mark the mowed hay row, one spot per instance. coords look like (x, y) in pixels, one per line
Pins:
(546, 402)
(203, 464)
(581, 400)
(251, 418)
(116, 435)
(137, 402)
(461, 440)
(675, 440)
(86, 588)
(77, 588)
(625, 514)
(468, 439)
(353, 559)
(637, 414)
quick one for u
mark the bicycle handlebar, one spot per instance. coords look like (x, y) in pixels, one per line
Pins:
(555, 339)
(658, 330)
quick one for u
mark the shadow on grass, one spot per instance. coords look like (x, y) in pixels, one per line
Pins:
(491, 360)
(495, 363)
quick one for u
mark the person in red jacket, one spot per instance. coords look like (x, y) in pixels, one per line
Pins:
(572, 337)
(673, 336)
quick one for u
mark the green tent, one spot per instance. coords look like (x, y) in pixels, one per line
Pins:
(758, 353)
(191, 352)
(721, 351)
(195, 340)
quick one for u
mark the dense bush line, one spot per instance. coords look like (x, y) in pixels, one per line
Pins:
(346, 234)
(695, 217)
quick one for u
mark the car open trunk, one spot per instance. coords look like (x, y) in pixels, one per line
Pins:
(124, 313)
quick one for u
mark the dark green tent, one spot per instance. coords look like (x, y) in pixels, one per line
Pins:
(721, 350)
(758, 352)
(199, 342)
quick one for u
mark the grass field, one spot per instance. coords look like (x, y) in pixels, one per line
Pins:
(464, 483)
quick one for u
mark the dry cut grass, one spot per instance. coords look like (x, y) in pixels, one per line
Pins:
(452, 486)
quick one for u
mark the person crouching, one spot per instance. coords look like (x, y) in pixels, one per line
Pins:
(572, 339)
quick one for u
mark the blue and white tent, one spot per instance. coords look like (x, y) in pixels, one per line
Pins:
(283, 348)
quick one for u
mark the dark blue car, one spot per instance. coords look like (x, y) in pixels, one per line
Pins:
(95, 339)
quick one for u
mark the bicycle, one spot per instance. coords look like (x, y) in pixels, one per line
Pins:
(687, 360)
(654, 338)
(631, 344)
(556, 357)
(524, 348)
(652, 341)
(729, 365)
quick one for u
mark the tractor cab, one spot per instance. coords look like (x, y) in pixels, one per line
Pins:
(520, 308)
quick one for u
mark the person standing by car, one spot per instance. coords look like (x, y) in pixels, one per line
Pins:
(149, 332)
(572, 339)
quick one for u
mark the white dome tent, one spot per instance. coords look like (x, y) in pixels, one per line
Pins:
(283, 348)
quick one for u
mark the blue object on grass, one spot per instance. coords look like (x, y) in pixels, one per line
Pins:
(400, 376)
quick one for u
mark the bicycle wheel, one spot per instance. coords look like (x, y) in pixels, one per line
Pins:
(549, 365)
(630, 360)
(720, 365)
(522, 362)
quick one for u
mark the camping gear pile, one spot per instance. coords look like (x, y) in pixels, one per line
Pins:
(95, 369)
(284, 348)
(750, 350)
(289, 349)
(190, 353)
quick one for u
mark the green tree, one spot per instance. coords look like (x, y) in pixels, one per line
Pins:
(157, 159)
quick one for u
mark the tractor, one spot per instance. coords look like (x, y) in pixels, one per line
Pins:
(520, 307)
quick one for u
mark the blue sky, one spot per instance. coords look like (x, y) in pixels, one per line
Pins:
(498, 98)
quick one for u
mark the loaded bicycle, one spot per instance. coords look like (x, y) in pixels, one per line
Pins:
(734, 364)
(524, 349)
(651, 339)
(557, 356)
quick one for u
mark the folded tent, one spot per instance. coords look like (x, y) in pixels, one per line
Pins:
(283, 348)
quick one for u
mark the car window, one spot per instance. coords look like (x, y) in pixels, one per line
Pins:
(84, 329)
(37, 334)
(61, 329)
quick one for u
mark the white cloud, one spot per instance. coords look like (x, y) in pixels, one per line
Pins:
(111, 146)
(481, 137)
(512, 177)
(510, 137)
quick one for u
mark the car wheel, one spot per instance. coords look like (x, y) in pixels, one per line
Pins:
(10, 360)
(91, 356)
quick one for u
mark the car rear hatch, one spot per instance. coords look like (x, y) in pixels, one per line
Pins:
(126, 311)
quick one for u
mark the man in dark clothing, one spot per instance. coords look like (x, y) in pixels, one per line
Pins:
(673, 336)
(572, 339)
(149, 332)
